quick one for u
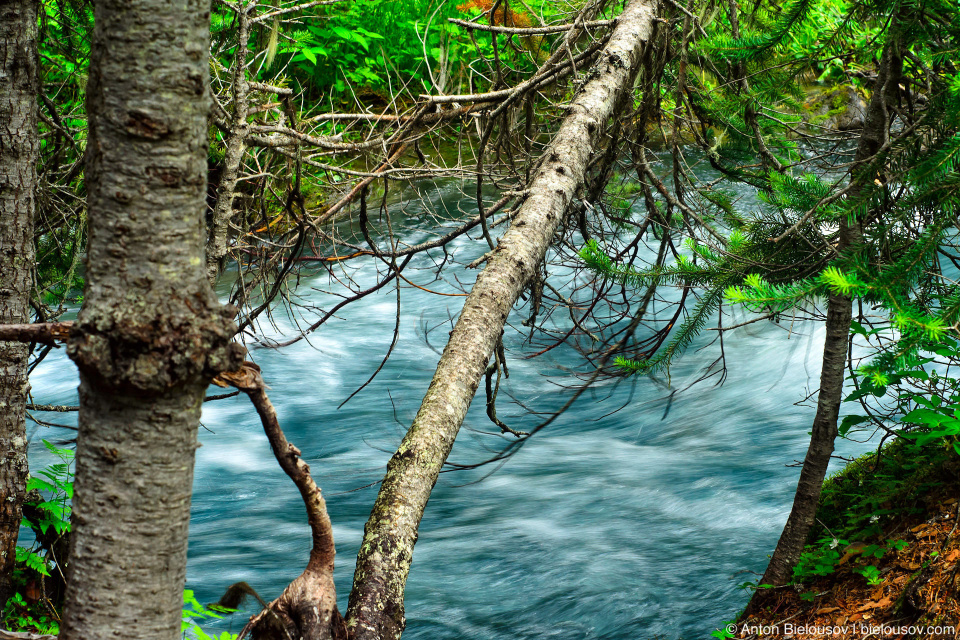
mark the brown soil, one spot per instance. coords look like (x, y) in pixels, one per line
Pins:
(917, 594)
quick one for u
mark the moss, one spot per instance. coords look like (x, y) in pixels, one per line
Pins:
(829, 107)
(876, 490)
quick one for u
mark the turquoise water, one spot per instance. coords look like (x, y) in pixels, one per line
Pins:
(616, 524)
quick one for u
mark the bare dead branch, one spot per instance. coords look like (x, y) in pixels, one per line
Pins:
(300, 7)
(530, 31)
(308, 606)
(43, 333)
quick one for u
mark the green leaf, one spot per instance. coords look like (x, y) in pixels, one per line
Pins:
(41, 485)
(849, 422)
(344, 34)
(924, 416)
(66, 454)
(33, 560)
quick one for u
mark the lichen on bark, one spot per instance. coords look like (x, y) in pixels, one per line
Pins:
(151, 333)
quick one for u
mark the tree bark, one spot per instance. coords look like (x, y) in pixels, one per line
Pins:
(19, 147)
(151, 333)
(839, 315)
(375, 610)
(218, 234)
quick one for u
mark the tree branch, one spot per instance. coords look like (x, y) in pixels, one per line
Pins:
(308, 606)
(42, 332)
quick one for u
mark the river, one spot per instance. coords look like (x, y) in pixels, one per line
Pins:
(615, 525)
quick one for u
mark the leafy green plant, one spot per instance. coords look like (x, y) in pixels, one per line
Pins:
(56, 481)
(35, 613)
(871, 573)
(823, 558)
(193, 612)
(365, 44)
(32, 560)
(818, 560)
(19, 615)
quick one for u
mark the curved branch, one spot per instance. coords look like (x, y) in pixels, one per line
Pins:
(308, 606)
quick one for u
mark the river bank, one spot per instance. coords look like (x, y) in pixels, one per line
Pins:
(884, 559)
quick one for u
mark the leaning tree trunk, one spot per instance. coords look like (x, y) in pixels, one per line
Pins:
(151, 333)
(375, 610)
(19, 85)
(839, 315)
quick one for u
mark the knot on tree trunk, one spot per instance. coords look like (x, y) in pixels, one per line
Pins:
(146, 346)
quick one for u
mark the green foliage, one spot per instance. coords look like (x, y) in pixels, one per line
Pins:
(681, 338)
(373, 49)
(354, 45)
(32, 561)
(683, 271)
(56, 482)
(782, 258)
(758, 43)
(19, 615)
(65, 27)
(194, 613)
(58, 263)
(908, 394)
(871, 573)
(819, 559)
(759, 295)
(823, 558)
(836, 41)
(878, 486)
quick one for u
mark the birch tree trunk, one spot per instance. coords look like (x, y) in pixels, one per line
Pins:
(19, 85)
(151, 333)
(375, 610)
(839, 316)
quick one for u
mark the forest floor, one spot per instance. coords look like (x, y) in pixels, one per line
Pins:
(900, 575)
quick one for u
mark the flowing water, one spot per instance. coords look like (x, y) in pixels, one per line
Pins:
(622, 525)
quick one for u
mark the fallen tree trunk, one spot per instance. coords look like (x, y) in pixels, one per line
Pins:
(375, 610)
